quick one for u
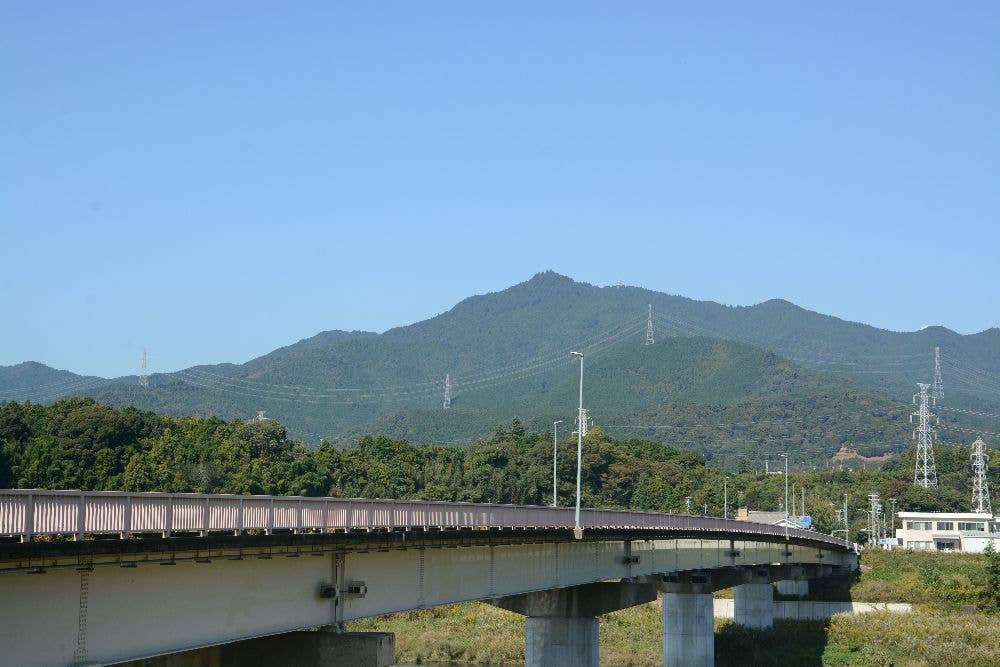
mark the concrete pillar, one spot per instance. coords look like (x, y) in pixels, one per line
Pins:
(688, 630)
(551, 640)
(562, 629)
(798, 587)
(294, 649)
(753, 605)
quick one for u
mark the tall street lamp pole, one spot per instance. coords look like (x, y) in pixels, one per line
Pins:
(725, 498)
(785, 456)
(579, 441)
(555, 443)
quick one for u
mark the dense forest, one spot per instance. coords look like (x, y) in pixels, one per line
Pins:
(78, 443)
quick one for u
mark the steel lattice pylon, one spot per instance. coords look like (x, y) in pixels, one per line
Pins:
(925, 472)
(980, 484)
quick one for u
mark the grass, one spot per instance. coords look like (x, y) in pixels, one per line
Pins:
(941, 580)
(934, 635)
(479, 634)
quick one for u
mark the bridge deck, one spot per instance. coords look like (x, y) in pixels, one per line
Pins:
(26, 514)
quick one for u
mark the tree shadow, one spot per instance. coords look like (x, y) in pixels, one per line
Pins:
(787, 644)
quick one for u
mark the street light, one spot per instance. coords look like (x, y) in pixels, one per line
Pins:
(785, 456)
(725, 498)
(579, 443)
(555, 442)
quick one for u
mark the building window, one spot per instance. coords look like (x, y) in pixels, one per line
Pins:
(919, 525)
(919, 545)
(945, 525)
(972, 526)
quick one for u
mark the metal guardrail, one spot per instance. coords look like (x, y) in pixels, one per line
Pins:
(27, 513)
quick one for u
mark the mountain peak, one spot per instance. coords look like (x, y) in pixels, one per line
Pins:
(549, 277)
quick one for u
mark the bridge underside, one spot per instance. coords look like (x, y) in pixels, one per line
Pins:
(107, 601)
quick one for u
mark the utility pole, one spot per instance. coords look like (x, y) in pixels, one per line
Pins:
(555, 451)
(980, 484)
(793, 499)
(802, 505)
(847, 527)
(649, 325)
(873, 522)
(447, 391)
(581, 415)
(892, 517)
(938, 381)
(687, 503)
(925, 472)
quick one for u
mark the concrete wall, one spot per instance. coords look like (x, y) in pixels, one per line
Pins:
(815, 610)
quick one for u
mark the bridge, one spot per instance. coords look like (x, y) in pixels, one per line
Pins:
(93, 578)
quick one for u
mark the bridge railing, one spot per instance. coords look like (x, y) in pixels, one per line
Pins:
(27, 513)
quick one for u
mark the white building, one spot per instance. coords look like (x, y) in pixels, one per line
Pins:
(948, 531)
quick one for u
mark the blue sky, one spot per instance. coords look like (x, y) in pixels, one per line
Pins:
(213, 180)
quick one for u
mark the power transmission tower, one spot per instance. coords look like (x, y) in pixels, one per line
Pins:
(649, 325)
(144, 374)
(938, 382)
(925, 472)
(447, 391)
(980, 485)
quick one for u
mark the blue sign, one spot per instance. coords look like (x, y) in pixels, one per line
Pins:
(806, 521)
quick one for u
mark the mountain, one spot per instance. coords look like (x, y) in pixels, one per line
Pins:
(506, 354)
(41, 383)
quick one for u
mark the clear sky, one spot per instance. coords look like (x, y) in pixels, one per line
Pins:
(213, 180)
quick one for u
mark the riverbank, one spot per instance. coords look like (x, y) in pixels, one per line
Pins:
(479, 634)
(934, 634)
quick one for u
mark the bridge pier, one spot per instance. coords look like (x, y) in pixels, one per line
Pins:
(688, 621)
(561, 629)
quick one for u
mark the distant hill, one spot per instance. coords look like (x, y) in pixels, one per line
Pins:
(506, 353)
(41, 383)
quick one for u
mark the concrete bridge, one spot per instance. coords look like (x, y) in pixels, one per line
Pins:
(188, 579)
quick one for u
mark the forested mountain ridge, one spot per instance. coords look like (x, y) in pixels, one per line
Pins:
(506, 354)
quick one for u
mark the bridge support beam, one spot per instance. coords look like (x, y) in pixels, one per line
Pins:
(294, 649)
(562, 628)
(796, 587)
(753, 605)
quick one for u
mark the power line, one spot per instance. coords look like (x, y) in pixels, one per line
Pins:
(970, 412)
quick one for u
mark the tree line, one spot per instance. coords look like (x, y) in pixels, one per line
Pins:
(77, 443)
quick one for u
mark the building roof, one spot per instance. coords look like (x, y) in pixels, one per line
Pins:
(766, 517)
